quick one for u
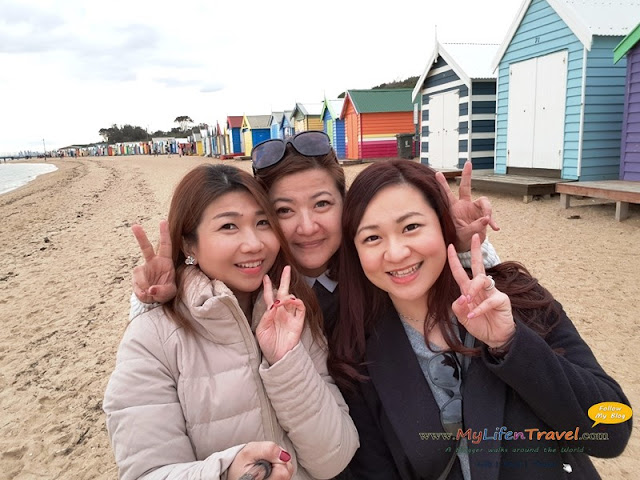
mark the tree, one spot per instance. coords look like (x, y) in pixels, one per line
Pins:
(104, 133)
(126, 133)
(184, 121)
(407, 83)
(113, 134)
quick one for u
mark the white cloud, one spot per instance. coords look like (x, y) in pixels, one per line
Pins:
(211, 87)
(69, 68)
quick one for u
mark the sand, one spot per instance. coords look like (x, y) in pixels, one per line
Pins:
(66, 255)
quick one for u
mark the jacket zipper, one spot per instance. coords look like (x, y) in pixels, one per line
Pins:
(252, 342)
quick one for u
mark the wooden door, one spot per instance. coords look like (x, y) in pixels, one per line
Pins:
(353, 139)
(436, 130)
(451, 121)
(521, 114)
(444, 112)
(551, 92)
(536, 112)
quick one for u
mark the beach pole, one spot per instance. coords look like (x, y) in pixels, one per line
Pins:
(45, 150)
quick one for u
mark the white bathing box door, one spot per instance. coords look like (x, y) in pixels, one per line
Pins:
(444, 112)
(535, 122)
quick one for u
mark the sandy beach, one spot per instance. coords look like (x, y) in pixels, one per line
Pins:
(66, 255)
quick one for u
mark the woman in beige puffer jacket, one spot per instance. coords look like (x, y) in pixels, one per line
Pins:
(196, 382)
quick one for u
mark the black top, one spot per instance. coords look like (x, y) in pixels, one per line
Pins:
(533, 387)
(329, 305)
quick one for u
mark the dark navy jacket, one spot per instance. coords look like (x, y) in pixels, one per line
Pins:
(533, 387)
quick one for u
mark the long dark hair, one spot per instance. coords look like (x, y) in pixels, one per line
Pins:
(294, 162)
(195, 192)
(362, 303)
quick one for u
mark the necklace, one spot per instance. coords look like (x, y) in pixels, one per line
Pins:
(415, 321)
(407, 318)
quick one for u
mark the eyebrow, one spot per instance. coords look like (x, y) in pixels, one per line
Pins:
(235, 214)
(323, 192)
(314, 196)
(398, 220)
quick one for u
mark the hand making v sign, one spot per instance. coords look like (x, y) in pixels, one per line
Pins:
(281, 325)
(469, 216)
(481, 309)
(154, 281)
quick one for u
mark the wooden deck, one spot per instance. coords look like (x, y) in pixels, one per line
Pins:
(525, 185)
(450, 173)
(346, 162)
(622, 192)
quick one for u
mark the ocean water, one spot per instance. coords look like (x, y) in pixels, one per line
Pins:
(15, 175)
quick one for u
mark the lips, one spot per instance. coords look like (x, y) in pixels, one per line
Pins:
(249, 265)
(405, 272)
(313, 244)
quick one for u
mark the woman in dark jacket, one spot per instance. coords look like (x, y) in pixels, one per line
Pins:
(454, 374)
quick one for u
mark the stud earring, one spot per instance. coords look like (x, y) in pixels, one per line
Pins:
(190, 260)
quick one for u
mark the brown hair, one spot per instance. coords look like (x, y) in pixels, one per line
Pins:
(363, 303)
(195, 192)
(294, 162)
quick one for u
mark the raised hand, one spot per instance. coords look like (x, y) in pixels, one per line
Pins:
(281, 466)
(154, 281)
(469, 216)
(281, 325)
(481, 309)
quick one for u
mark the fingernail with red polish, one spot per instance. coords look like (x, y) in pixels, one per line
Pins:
(284, 456)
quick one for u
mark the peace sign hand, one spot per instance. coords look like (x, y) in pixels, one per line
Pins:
(469, 216)
(482, 309)
(281, 325)
(154, 281)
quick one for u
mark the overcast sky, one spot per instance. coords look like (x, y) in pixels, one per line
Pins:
(71, 67)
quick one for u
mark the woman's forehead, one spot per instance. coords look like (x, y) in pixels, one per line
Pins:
(305, 183)
(395, 201)
(239, 201)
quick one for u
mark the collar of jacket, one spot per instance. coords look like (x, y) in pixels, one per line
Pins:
(214, 309)
(411, 409)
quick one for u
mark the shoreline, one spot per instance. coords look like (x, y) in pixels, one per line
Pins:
(19, 179)
(66, 258)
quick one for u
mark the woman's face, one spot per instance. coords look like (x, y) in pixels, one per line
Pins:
(400, 243)
(235, 244)
(309, 208)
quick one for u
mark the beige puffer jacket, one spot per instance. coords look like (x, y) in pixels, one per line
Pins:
(182, 405)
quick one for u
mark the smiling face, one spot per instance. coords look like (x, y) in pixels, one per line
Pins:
(236, 244)
(400, 244)
(309, 208)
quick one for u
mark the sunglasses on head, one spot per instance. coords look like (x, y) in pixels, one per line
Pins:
(311, 143)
